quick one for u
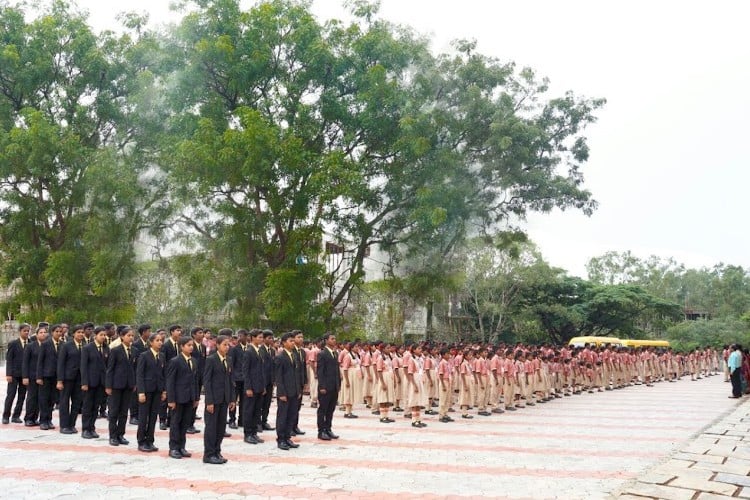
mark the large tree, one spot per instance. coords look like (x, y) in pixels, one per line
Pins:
(295, 129)
(72, 201)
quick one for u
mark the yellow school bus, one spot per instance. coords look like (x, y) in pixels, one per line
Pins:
(645, 343)
(582, 341)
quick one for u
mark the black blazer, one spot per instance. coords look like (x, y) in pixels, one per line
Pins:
(182, 384)
(169, 350)
(268, 365)
(46, 365)
(286, 376)
(238, 360)
(217, 380)
(120, 370)
(30, 360)
(301, 365)
(329, 375)
(69, 361)
(137, 347)
(14, 358)
(199, 359)
(254, 376)
(150, 373)
(94, 365)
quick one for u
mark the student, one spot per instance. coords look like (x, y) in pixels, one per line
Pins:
(254, 390)
(384, 386)
(13, 375)
(467, 380)
(300, 366)
(311, 360)
(182, 396)
(140, 345)
(329, 383)
(218, 383)
(288, 392)
(199, 359)
(119, 384)
(93, 371)
(46, 372)
(268, 353)
(170, 349)
(445, 387)
(29, 376)
(237, 355)
(69, 381)
(151, 387)
(416, 396)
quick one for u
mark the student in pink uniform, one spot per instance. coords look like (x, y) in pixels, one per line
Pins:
(367, 370)
(466, 375)
(417, 397)
(399, 377)
(347, 385)
(481, 371)
(430, 384)
(385, 387)
(496, 381)
(445, 387)
(311, 362)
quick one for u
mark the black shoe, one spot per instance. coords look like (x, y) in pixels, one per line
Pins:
(31, 423)
(291, 444)
(227, 435)
(350, 415)
(123, 441)
(232, 425)
(445, 419)
(510, 408)
(430, 412)
(212, 460)
(163, 426)
(114, 442)
(267, 427)
(298, 432)
(398, 409)
(192, 430)
(67, 430)
(314, 405)
(152, 448)
(251, 439)
(133, 421)
(175, 454)
(323, 436)
(87, 435)
(198, 417)
(16, 420)
(221, 457)
(387, 420)
(103, 415)
(283, 446)
(6, 421)
(96, 436)
(259, 440)
(484, 413)
(185, 453)
(467, 416)
(44, 427)
(144, 447)
(331, 434)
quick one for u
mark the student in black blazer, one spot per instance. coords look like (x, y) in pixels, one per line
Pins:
(170, 349)
(182, 396)
(140, 344)
(237, 355)
(301, 367)
(199, 361)
(268, 352)
(28, 372)
(119, 384)
(69, 380)
(14, 375)
(329, 383)
(218, 382)
(255, 386)
(46, 373)
(151, 387)
(288, 392)
(94, 359)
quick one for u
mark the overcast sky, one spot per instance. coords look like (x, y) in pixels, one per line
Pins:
(668, 155)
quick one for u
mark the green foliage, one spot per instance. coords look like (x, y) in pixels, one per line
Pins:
(716, 333)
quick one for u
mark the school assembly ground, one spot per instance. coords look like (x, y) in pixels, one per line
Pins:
(681, 440)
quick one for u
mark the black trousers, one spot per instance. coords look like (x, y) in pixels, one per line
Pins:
(216, 426)
(90, 407)
(102, 402)
(239, 398)
(736, 382)
(71, 401)
(287, 413)
(46, 399)
(119, 403)
(252, 413)
(135, 407)
(147, 415)
(179, 422)
(14, 386)
(32, 402)
(266, 406)
(164, 412)
(195, 408)
(326, 407)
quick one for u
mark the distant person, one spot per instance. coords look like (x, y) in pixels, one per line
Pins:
(13, 375)
(735, 370)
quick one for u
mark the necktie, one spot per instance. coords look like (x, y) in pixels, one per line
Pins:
(55, 346)
(225, 363)
(79, 347)
(190, 364)
(100, 350)
(23, 344)
(127, 352)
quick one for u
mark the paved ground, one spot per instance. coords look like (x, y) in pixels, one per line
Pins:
(632, 441)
